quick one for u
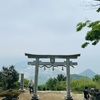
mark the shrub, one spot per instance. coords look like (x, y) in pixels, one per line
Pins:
(16, 85)
(61, 85)
(79, 85)
(10, 94)
(26, 81)
(0, 89)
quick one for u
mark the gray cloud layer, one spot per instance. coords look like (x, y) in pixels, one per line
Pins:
(45, 27)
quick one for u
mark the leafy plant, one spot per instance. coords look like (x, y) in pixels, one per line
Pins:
(8, 77)
(93, 35)
(26, 81)
(10, 94)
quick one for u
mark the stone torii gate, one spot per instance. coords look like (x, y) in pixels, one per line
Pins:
(67, 63)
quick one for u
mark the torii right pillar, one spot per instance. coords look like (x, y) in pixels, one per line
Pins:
(68, 96)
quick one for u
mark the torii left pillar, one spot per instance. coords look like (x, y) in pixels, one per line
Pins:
(35, 96)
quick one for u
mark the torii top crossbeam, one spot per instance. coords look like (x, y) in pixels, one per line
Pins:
(74, 56)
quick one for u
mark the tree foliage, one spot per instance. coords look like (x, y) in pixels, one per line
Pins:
(76, 85)
(79, 85)
(26, 81)
(61, 77)
(58, 83)
(51, 84)
(98, 5)
(93, 35)
(96, 78)
(8, 77)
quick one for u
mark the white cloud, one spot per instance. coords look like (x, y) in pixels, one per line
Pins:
(45, 27)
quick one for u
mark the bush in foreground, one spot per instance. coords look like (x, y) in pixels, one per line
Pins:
(10, 94)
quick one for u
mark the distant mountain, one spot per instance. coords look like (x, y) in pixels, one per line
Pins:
(77, 76)
(88, 73)
(44, 75)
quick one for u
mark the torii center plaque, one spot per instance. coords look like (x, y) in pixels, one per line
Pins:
(52, 63)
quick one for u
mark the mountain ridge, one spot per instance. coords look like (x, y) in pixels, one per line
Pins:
(88, 73)
(44, 75)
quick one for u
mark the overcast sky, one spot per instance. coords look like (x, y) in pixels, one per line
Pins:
(46, 27)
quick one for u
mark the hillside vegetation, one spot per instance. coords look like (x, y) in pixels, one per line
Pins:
(57, 83)
(78, 83)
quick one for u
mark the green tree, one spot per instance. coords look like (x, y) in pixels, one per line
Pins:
(9, 77)
(26, 81)
(58, 83)
(93, 35)
(96, 78)
(61, 77)
(61, 85)
(51, 84)
(79, 85)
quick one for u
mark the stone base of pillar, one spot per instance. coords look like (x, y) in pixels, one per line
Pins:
(22, 90)
(35, 98)
(68, 98)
